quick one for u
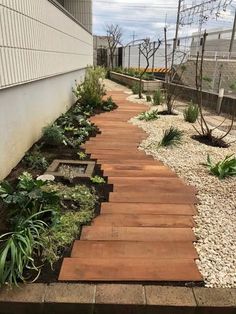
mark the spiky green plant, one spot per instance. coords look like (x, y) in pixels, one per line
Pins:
(158, 97)
(224, 168)
(149, 116)
(171, 137)
(18, 249)
(97, 180)
(191, 113)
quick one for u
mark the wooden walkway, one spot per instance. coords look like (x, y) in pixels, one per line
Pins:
(144, 232)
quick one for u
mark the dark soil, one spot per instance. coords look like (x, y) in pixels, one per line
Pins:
(213, 141)
(49, 274)
(166, 113)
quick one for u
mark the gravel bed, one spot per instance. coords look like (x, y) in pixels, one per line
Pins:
(216, 220)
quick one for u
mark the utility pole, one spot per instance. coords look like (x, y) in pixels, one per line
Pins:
(232, 36)
(166, 62)
(176, 33)
(134, 35)
(165, 36)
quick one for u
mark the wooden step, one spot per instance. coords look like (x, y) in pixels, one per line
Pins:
(105, 160)
(149, 181)
(148, 208)
(150, 197)
(133, 249)
(129, 269)
(161, 171)
(133, 166)
(144, 220)
(137, 234)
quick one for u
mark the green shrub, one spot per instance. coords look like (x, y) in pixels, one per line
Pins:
(54, 135)
(63, 233)
(149, 116)
(171, 137)
(233, 85)
(90, 92)
(35, 160)
(28, 198)
(148, 98)
(97, 180)
(191, 113)
(82, 155)
(108, 105)
(224, 168)
(18, 249)
(85, 198)
(157, 98)
(135, 88)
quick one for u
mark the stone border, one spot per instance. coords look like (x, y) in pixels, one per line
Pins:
(116, 299)
(148, 86)
(53, 168)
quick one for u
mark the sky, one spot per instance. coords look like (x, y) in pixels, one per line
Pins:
(147, 18)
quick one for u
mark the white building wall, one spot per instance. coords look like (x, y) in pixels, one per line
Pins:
(37, 40)
(42, 52)
(81, 10)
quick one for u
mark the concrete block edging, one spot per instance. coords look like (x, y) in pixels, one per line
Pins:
(97, 298)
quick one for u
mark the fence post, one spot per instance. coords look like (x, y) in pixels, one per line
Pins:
(139, 56)
(129, 58)
(219, 100)
(153, 60)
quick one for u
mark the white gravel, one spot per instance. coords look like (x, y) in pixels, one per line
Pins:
(216, 219)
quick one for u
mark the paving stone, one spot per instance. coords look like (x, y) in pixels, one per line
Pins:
(70, 293)
(120, 294)
(215, 297)
(170, 296)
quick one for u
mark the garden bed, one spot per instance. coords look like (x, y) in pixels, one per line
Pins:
(147, 86)
(216, 219)
(42, 212)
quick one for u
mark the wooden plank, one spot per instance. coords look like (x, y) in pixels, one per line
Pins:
(161, 171)
(144, 220)
(151, 197)
(88, 269)
(137, 234)
(133, 249)
(148, 208)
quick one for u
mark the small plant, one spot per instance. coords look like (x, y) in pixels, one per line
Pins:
(82, 155)
(83, 197)
(97, 180)
(136, 89)
(149, 116)
(108, 105)
(54, 135)
(224, 168)
(171, 137)
(28, 197)
(191, 113)
(148, 98)
(62, 234)
(35, 160)
(233, 85)
(17, 249)
(157, 98)
(207, 79)
(90, 92)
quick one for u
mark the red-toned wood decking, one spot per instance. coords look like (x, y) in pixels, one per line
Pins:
(144, 232)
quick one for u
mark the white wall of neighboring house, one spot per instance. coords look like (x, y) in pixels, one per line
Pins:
(43, 50)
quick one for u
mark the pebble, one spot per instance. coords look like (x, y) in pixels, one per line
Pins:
(216, 220)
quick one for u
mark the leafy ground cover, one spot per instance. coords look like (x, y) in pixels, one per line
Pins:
(40, 219)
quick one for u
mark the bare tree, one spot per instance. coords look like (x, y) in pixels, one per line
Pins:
(205, 130)
(114, 35)
(176, 72)
(147, 49)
